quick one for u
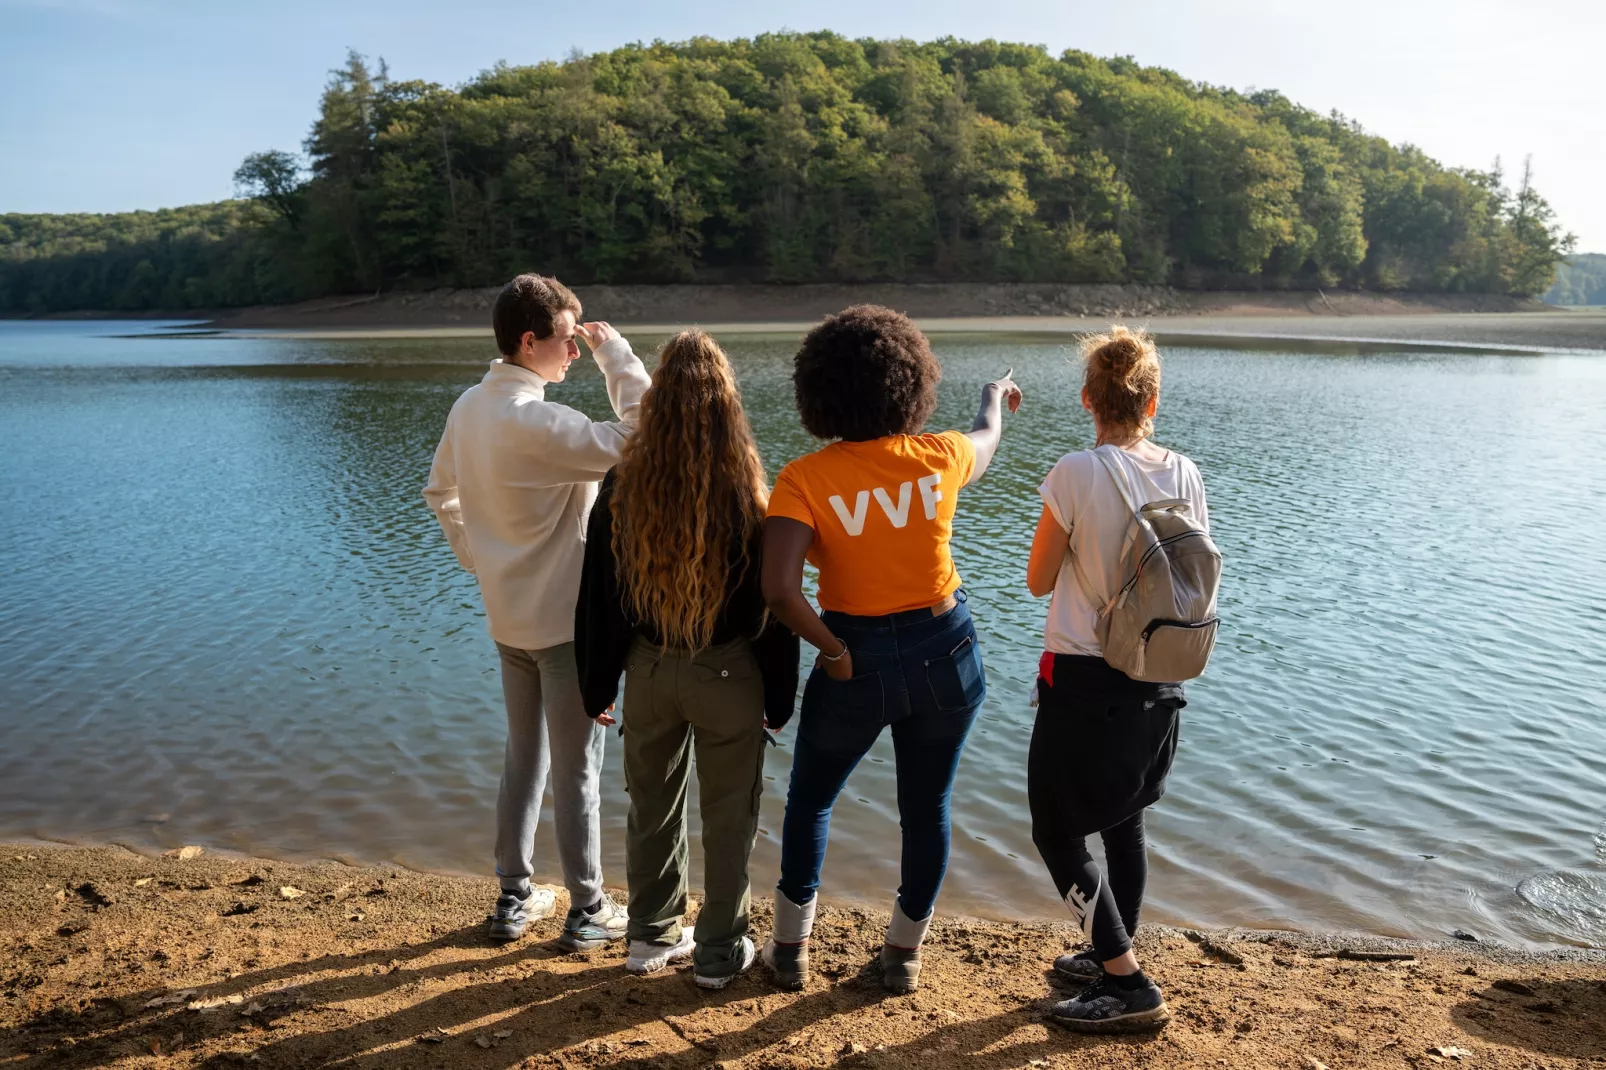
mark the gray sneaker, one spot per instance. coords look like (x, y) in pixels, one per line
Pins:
(1082, 968)
(587, 932)
(1107, 1008)
(512, 914)
(744, 958)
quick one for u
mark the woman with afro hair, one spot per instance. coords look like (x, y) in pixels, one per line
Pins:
(873, 511)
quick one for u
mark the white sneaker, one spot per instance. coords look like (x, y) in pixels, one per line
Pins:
(746, 956)
(650, 958)
(512, 914)
(587, 932)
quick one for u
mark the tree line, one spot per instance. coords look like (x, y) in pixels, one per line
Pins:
(805, 158)
(1580, 280)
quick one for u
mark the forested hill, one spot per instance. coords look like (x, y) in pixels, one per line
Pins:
(1581, 280)
(802, 158)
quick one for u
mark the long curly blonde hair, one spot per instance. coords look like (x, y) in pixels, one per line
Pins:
(689, 493)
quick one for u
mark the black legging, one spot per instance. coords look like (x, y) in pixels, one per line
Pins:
(1106, 905)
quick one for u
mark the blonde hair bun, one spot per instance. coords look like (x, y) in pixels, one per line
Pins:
(1121, 375)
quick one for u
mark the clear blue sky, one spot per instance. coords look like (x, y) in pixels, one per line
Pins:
(108, 105)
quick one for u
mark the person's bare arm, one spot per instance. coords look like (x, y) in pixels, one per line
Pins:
(988, 429)
(786, 544)
(1049, 547)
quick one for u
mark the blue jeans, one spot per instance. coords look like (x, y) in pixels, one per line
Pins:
(923, 676)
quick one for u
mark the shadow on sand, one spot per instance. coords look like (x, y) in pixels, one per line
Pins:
(1563, 1018)
(526, 1004)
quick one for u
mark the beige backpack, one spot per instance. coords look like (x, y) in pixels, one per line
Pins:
(1161, 624)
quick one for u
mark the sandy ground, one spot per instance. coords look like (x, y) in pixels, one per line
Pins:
(108, 958)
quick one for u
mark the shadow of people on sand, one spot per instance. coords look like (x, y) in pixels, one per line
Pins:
(458, 1000)
(101, 1024)
(1563, 1018)
(541, 1014)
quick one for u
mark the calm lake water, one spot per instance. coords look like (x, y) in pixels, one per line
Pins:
(226, 617)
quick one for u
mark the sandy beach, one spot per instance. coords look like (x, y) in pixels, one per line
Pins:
(115, 959)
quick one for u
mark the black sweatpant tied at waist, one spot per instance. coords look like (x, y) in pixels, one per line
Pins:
(1102, 746)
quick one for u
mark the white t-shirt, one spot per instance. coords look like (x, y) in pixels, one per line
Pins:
(1083, 498)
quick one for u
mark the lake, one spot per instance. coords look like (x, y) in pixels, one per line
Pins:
(227, 618)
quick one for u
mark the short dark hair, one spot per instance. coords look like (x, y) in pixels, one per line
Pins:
(865, 373)
(529, 303)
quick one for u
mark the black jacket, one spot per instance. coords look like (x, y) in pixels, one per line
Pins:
(603, 629)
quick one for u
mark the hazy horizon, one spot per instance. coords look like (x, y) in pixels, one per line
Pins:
(117, 105)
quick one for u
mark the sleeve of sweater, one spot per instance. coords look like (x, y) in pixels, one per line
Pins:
(576, 448)
(602, 632)
(441, 494)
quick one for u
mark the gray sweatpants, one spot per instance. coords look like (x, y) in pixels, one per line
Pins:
(547, 729)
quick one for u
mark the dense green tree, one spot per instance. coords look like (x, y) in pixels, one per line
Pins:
(274, 178)
(802, 158)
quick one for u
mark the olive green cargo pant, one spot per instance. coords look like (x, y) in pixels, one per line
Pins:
(677, 705)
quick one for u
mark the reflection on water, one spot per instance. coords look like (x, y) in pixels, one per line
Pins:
(227, 617)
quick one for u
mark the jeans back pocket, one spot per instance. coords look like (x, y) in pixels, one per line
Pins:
(842, 715)
(956, 678)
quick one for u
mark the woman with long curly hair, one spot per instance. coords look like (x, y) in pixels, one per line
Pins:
(670, 595)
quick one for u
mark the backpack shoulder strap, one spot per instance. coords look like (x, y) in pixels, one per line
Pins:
(1101, 605)
(1118, 474)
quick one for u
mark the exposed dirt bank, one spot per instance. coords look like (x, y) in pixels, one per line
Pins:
(1176, 315)
(741, 304)
(108, 958)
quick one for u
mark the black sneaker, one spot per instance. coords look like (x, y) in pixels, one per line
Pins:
(1083, 968)
(1106, 1008)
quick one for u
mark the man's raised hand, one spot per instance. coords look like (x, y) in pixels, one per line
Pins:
(597, 333)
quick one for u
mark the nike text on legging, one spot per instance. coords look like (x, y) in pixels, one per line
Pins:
(1105, 904)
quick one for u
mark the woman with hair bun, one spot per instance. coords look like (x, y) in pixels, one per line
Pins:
(1102, 743)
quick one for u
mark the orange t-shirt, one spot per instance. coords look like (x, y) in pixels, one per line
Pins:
(882, 513)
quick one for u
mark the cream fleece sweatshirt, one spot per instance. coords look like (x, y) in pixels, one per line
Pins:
(512, 485)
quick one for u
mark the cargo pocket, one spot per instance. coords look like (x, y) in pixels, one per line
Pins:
(957, 679)
(758, 776)
(1176, 650)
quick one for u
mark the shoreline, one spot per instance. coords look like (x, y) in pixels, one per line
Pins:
(1461, 322)
(302, 965)
(808, 302)
(1459, 333)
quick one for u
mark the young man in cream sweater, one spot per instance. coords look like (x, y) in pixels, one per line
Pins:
(512, 485)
